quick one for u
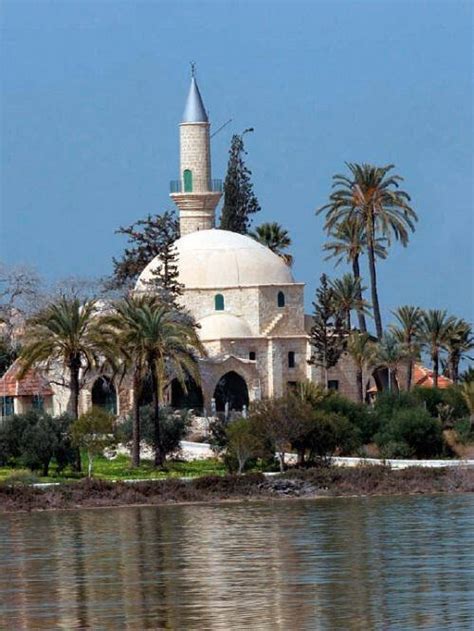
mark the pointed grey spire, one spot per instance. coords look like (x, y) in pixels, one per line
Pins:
(194, 111)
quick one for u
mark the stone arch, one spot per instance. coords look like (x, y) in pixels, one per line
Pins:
(192, 398)
(104, 394)
(231, 389)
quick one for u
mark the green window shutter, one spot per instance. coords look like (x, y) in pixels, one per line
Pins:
(219, 302)
(188, 181)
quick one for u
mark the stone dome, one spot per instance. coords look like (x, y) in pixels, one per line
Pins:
(223, 326)
(220, 258)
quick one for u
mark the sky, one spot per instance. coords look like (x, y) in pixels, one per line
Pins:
(92, 94)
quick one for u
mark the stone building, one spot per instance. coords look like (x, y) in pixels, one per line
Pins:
(249, 307)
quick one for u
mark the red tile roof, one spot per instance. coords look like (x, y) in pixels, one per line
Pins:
(423, 377)
(33, 383)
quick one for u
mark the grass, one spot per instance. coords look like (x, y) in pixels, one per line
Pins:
(120, 469)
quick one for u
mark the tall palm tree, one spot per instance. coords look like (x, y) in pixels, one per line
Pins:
(347, 297)
(363, 352)
(274, 237)
(66, 332)
(156, 339)
(371, 196)
(390, 353)
(459, 342)
(349, 244)
(407, 334)
(434, 335)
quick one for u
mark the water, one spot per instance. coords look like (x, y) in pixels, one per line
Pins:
(357, 563)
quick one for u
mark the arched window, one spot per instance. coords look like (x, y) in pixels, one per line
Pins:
(188, 181)
(281, 299)
(219, 302)
(104, 395)
(291, 359)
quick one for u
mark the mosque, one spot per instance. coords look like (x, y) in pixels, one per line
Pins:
(249, 307)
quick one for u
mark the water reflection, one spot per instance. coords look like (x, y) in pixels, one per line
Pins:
(387, 563)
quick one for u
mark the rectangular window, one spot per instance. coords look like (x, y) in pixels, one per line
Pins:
(252, 356)
(291, 359)
(292, 385)
(37, 403)
(6, 406)
(333, 384)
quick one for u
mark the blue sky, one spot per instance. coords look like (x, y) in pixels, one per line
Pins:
(92, 93)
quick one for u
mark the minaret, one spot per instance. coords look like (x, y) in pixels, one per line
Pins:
(195, 193)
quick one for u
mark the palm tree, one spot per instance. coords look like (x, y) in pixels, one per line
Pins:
(66, 332)
(349, 244)
(407, 334)
(363, 352)
(348, 296)
(274, 237)
(390, 353)
(371, 196)
(155, 339)
(458, 343)
(434, 335)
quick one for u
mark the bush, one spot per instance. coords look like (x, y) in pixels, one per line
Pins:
(411, 432)
(243, 444)
(356, 413)
(464, 430)
(325, 434)
(34, 439)
(174, 426)
(94, 432)
(431, 398)
(21, 477)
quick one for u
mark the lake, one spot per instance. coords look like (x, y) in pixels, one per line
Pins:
(343, 563)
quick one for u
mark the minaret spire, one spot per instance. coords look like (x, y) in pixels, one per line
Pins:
(195, 193)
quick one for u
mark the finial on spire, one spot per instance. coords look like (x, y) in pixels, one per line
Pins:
(193, 69)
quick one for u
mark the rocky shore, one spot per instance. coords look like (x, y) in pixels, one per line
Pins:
(309, 483)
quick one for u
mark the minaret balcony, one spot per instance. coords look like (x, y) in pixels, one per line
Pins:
(211, 186)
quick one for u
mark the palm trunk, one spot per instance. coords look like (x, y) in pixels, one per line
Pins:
(356, 274)
(74, 368)
(373, 286)
(348, 318)
(156, 416)
(435, 369)
(409, 374)
(136, 422)
(360, 386)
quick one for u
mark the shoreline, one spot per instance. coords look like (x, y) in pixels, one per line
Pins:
(316, 483)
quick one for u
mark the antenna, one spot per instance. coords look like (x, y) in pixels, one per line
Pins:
(221, 127)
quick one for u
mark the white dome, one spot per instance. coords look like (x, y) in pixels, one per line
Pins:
(223, 325)
(220, 258)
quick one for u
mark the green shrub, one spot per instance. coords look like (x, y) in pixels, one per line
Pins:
(326, 433)
(430, 398)
(34, 439)
(411, 431)
(357, 414)
(174, 426)
(94, 432)
(243, 443)
(21, 477)
(464, 430)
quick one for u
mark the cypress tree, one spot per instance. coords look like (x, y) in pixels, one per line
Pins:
(240, 202)
(328, 332)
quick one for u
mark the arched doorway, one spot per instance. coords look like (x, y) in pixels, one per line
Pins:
(191, 399)
(104, 395)
(233, 390)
